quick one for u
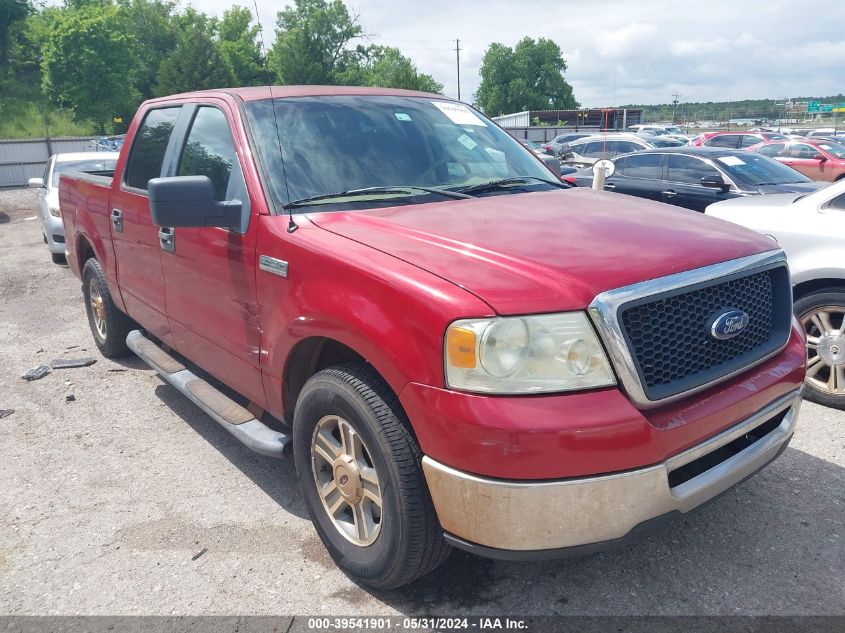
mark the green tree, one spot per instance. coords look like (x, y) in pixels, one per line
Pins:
(526, 77)
(155, 33)
(311, 42)
(241, 48)
(12, 13)
(85, 64)
(386, 67)
(197, 63)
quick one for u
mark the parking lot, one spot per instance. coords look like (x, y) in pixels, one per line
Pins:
(129, 500)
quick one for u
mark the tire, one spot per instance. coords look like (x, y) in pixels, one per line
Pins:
(408, 541)
(58, 258)
(109, 326)
(825, 381)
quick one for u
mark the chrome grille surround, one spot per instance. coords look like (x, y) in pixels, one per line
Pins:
(605, 313)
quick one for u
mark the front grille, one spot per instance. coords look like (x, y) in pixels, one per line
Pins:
(669, 336)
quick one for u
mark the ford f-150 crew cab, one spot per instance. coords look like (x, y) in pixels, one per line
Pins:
(457, 349)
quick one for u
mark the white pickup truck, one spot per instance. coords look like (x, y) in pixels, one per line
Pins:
(811, 230)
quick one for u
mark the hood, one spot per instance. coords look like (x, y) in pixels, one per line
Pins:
(762, 202)
(799, 187)
(546, 251)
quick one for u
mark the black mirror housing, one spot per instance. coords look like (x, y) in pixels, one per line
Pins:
(189, 201)
(714, 182)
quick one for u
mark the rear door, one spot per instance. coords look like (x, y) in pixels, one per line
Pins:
(136, 241)
(210, 273)
(637, 175)
(683, 187)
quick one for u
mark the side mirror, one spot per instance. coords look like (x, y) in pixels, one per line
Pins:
(190, 201)
(820, 157)
(35, 183)
(552, 163)
(714, 181)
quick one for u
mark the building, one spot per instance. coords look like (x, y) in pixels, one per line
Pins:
(595, 118)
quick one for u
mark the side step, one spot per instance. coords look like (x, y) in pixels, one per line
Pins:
(229, 414)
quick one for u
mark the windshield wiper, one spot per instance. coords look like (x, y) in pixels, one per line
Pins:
(368, 191)
(504, 183)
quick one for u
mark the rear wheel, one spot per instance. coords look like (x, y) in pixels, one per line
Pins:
(822, 313)
(359, 470)
(109, 326)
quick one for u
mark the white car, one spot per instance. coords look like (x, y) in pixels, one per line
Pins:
(52, 228)
(811, 229)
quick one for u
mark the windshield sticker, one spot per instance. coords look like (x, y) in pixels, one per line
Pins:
(733, 161)
(402, 116)
(467, 142)
(459, 113)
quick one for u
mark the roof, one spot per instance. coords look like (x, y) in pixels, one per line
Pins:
(66, 157)
(281, 92)
(696, 151)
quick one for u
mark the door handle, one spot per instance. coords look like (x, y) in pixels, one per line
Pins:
(117, 220)
(610, 186)
(669, 193)
(167, 239)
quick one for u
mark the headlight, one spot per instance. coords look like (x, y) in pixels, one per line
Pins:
(54, 211)
(532, 354)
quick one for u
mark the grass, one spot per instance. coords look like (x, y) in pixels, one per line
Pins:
(27, 119)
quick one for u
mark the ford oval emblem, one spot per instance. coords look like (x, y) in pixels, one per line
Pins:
(728, 324)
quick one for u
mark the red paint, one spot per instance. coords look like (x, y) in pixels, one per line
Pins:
(386, 283)
(816, 162)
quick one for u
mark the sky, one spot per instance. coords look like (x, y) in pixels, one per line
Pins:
(620, 51)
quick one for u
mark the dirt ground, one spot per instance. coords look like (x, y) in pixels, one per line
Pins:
(106, 500)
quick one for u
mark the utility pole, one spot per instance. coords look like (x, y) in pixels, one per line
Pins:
(458, 65)
(675, 100)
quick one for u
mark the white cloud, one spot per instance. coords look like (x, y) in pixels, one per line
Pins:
(621, 51)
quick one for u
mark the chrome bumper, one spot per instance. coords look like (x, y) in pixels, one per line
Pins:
(553, 515)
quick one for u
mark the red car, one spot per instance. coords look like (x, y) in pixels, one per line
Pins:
(458, 349)
(816, 159)
(734, 140)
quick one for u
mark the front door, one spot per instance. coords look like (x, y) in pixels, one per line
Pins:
(210, 272)
(800, 157)
(683, 183)
(135, 237)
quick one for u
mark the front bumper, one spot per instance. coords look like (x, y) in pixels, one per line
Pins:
(54, 231)
(518, 519)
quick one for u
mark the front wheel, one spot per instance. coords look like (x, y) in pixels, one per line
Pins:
(822, 314)
(359, 470)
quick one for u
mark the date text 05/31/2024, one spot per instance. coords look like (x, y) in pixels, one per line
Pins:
(417, 624)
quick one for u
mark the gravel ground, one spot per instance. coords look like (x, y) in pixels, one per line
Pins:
(106, 500)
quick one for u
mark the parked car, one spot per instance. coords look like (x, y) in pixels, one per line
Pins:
(816, 159)
(552, 162)
(655, 129)
(52, 229)
(560, 144)
(811, 229)
(695, 177)
(822, 131)
(736, 140)
(469, 353)
(586, 151)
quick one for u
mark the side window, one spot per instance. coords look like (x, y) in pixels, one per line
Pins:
(620, 166)
(688, 170)
(775, 149)
(726, 140)
(149, 146)
(209, 150)
(799, 150)
(626, 147)
(748, 140)
(577, 148)
(643, 166)
(837, 203)
(596, 149)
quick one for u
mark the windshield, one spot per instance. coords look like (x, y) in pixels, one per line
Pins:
(758, 170)
(82, 165)
(834, 149)
(335, 144)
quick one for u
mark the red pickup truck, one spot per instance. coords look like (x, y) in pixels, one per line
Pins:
(457, 349)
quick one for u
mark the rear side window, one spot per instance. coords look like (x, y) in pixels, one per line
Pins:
(642, 166)
(775, 149)
(596, 149)
(837, 203)
(149, 147)
(626, 147)
(687, 169)
(722, 141)
(748, 140)
(209, 150)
